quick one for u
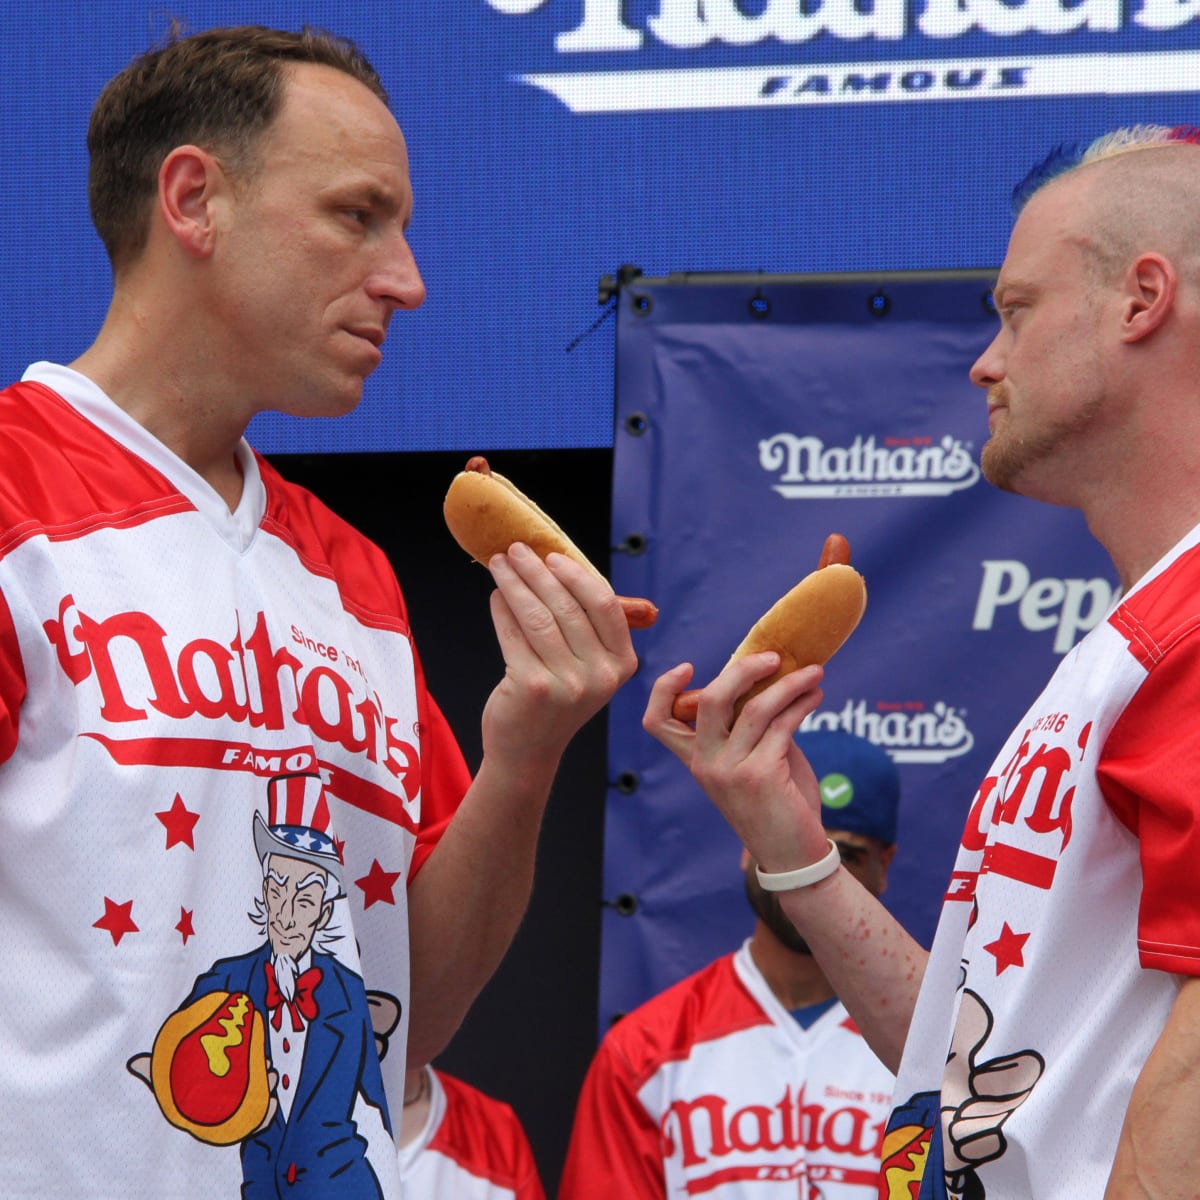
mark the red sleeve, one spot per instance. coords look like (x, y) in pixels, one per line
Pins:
(1149, 773)
(445, 778)
(485, 1137)
(12, 683)
(614, 1152)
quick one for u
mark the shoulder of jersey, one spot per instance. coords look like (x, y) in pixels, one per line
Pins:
(1163, 611)
(710, 1004)
(329, 545)
(482, 1134)
(57, 470)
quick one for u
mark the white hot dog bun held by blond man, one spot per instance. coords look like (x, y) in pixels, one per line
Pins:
(805, 627)
(487, 513)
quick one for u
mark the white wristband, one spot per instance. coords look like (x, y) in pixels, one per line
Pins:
(786, 881)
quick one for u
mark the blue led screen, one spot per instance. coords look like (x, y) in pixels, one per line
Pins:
(554, 140)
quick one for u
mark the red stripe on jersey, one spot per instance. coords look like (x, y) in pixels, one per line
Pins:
(485, 1138)
(659, 1031)
(1022, 865)
(333, 549)
(210, 755)
(1158, 615)
(774, 1174)
(12, 682)
(96, 483)
(1149, 769)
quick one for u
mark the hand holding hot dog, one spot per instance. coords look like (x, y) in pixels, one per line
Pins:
(805, 627)
(563, 633)
(487, 513)
(736, 735)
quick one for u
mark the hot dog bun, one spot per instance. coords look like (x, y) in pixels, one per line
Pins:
(487, 513)
(805, 626)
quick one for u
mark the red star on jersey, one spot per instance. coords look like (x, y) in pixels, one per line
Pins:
(179, 821)
(339, 848)
(117, 920)
(185, 924)
(1007, 949)
(377, 885)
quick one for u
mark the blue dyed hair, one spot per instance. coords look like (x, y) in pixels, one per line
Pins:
(1068, 155)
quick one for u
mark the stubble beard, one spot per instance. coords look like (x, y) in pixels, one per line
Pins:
(1007, 457)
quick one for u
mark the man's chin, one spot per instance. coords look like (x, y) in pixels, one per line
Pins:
(1000, 467)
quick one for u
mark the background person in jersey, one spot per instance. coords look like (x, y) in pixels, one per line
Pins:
(179, 625)
(749, 1080)
(457, 1143)
(1053, 1050)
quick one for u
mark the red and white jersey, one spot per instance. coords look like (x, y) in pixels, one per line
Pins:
(472, 1147)
(713, 1089)
(162, 660)
(1074, 901)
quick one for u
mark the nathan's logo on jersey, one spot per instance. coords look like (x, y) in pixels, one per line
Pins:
(684, 34)
(1020, 819)
(709, 1127)
(1068, 606)
(806, 468)
(911, 731)
(248, 680)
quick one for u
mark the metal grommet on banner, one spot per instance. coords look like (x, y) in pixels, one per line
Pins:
(988, 300)
(879, 304)
(627, 783)
(759, 305)
(641, 303)
(634, 544)
(626, 904)
(636, 424)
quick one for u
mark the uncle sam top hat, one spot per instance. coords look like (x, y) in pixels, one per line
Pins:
(297, 822)
(859, 783)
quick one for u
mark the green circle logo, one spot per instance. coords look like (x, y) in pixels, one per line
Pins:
(836, 791)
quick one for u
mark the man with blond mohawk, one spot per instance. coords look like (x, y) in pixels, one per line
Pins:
(1049, 1044)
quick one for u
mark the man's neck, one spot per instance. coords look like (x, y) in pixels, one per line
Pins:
(792, 975)
(179, 411)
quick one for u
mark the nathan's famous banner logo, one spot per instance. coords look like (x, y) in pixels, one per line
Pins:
(911, 731)
(806, 467)
(605, 27)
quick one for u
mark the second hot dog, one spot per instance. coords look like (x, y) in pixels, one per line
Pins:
(806, 626)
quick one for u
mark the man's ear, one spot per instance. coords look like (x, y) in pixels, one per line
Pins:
(1150, 285)
(188, 181)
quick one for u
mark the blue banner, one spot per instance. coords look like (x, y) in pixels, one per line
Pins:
(756, 415)
(553, 140)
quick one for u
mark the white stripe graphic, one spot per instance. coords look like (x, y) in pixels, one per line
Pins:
(791, 84)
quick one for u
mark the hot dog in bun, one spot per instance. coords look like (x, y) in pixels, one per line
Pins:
(806, 626)
(487, 513)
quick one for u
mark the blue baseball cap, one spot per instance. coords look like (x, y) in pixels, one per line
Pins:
(860, 786)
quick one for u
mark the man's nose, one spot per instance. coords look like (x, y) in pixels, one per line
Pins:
(397, 278)
(988, 368)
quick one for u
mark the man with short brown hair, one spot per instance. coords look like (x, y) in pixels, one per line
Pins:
(179, 625)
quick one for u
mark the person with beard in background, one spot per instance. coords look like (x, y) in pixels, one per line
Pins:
(749, 1080)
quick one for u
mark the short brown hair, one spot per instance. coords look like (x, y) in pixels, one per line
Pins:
(218, 89)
